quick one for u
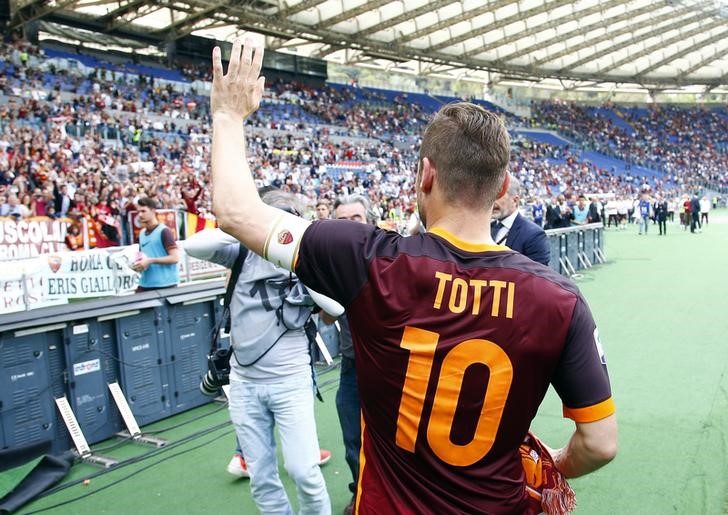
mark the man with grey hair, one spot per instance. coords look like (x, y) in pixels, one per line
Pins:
(512, 229)
(345, 209)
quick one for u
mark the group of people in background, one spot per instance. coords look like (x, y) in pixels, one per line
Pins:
(646, 209)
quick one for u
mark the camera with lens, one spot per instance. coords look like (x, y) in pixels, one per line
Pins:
(218, 372)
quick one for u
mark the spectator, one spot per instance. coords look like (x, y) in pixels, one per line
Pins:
(594, 215)
(62, 199)
(323, 210)
(74, 238)
(16, 209)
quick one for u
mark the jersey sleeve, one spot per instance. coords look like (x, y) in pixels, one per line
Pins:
(581, 378)
(333, 257)
(168, 239)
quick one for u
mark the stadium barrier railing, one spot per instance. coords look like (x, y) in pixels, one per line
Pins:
(576, 248)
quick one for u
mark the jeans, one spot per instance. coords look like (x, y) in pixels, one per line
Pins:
(347, 405)
(255, 409)
(644, 224)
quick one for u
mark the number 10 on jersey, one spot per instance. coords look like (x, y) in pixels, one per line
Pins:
(421, 345)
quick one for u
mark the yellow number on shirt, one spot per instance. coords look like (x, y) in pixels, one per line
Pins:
(422, 345)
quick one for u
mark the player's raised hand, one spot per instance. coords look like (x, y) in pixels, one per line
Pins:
(238, 92)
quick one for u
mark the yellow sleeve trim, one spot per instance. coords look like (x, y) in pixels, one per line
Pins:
(591, 413)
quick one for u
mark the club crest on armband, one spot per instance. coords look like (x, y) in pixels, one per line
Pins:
(285, 237)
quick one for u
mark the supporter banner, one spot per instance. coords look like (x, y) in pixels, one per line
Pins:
(196, 268)
(92, 273)
(165, 216)
(21, 285)
(22, 239)
(55, 278)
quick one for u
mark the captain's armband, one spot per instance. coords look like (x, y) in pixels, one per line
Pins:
(284, 239)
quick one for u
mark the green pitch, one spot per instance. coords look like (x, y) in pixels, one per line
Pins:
(661, 304)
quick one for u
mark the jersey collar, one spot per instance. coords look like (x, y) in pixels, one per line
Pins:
(465, 245)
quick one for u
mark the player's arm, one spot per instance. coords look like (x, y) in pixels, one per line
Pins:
(593, 445)
(171, 258)
(582, 382)
(240, 212)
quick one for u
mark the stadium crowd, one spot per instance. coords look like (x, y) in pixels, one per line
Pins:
(88, 146)
(690, 145)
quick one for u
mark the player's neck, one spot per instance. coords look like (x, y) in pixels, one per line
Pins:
(465, 224)
(151, 225)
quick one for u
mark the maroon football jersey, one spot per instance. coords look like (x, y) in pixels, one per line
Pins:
(456, 345)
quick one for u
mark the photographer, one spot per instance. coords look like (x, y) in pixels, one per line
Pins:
(270, 371)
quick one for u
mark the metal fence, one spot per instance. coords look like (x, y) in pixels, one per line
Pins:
(576, 248)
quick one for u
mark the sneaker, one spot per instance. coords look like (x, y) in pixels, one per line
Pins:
(324, 457)
(237, 466)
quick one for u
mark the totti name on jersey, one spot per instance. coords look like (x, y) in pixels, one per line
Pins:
(459, 295)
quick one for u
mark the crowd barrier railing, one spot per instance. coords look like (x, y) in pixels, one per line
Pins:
(576, 248)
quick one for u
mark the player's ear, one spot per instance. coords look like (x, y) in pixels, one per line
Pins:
(504, 186)
(427, 175)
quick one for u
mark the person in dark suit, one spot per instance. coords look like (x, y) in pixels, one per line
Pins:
(661, 209)
(594, 215)
(62, 200)
(695, 214)
(517, 232)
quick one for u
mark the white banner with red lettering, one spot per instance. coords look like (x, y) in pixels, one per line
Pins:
(22, 239)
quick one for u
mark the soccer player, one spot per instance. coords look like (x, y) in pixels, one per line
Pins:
(157, 262)
(456, 339)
